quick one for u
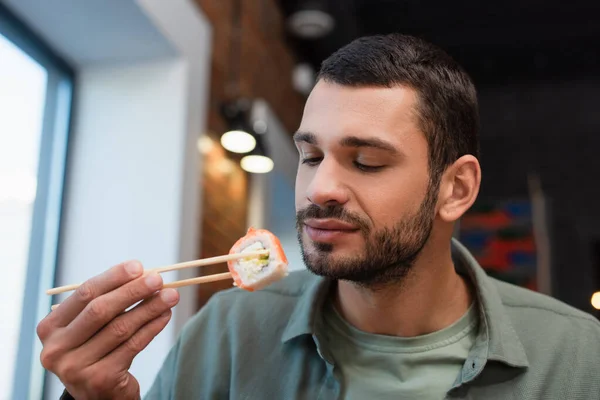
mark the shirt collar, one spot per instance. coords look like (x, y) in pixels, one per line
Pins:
(307, 313)
(496, 339)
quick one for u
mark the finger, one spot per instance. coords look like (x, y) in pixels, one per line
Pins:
(93, 288)
(123, 355)
(108, 280)
(125, 326)
(107, 307)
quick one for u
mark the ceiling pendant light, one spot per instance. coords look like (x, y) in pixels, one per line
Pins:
(258, 161)
(311, 20)
(242, 137)
(238, 141)
(238, 138)
(257, 164)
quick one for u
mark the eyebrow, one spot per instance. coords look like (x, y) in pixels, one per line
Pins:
(375, 143)
(305, 137)
(349, 141)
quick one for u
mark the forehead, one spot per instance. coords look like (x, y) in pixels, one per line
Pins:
(333, 111)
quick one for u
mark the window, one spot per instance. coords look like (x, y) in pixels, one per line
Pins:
(35, 101)
(22, 90)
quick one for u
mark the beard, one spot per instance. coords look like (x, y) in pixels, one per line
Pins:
(389, 253)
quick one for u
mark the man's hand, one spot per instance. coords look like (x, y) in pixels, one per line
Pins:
(89, 342)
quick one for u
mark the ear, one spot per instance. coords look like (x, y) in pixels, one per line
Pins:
(459, 188)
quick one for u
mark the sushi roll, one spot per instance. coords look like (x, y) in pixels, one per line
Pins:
(255, 273)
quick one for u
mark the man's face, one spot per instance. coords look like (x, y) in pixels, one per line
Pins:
(365, 205)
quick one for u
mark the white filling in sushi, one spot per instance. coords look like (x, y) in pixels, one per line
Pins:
(259, 272)
(250, 268)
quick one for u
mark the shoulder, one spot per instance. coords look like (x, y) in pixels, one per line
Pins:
(520, 299)
(543, 320)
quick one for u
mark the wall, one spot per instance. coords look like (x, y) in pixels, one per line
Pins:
(550, 128)
(124, 178)
(190, 33)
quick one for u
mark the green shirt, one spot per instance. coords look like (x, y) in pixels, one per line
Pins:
(270, 345)
(389, 367)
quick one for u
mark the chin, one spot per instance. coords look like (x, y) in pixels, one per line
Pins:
(330, 262)
(344, 245)
(333, 253)
(324, 269)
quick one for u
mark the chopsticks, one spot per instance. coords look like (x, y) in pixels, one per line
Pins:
(189, 264)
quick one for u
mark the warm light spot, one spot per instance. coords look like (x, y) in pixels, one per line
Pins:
(257, 164)
(238, 141)
(596, 300)
(205, 144)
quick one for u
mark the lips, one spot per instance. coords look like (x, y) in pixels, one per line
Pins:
(330, 225)
(328, 230)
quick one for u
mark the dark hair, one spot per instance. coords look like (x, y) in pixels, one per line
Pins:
(447, 109)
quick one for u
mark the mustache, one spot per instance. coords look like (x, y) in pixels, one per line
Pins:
(333, 212)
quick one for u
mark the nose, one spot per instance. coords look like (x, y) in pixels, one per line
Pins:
(326, 187)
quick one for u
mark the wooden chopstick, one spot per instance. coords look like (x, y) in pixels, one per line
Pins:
(209, 261)
(189, 264)
(187, 282)
(199, 280)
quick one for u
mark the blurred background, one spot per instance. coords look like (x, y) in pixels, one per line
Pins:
(161, 131)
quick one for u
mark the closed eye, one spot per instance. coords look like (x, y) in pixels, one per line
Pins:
(368, 168)
(312, 161)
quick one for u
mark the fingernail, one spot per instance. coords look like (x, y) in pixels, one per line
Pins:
(133, 268)
(153, 281)
(169, 296)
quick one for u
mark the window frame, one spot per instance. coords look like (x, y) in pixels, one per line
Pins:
(29, 376)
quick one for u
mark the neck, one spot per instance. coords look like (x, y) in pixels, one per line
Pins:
(430, 298)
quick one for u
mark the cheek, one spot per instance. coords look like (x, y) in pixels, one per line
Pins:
(300, 190)
(392, 201)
